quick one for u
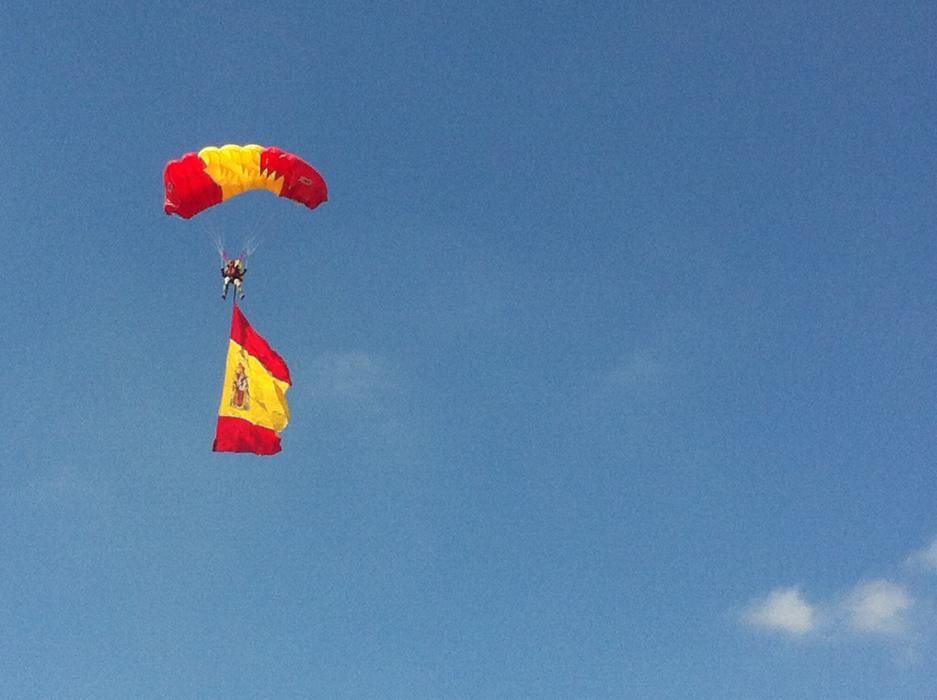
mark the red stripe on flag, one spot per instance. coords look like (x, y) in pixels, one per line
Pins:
(244, 335)
(239, 435)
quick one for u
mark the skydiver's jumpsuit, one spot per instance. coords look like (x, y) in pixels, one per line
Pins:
(234, 273)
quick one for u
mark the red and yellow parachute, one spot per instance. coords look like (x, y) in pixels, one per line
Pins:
(213, 175)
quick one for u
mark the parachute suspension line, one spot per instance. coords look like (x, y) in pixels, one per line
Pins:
(272, 218)
(215, 238)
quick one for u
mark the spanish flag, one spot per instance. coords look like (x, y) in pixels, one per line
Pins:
(253, 400)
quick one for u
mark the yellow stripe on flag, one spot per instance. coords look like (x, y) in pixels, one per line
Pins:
(251, 393)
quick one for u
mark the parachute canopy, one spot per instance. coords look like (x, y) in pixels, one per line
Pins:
(213, 175)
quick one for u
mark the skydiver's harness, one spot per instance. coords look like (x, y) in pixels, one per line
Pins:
(232, 272)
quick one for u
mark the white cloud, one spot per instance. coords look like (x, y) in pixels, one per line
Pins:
(63, 486)
(355, 376)
(878, 607)
(925, 558)
(784, 610)
(639, 369)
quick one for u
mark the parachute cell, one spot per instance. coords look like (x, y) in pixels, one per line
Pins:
(213, 175)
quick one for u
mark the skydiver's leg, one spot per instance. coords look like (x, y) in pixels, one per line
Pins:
(224, 287)
(239, 284)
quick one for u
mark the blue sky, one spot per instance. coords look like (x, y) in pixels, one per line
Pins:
(612, 353)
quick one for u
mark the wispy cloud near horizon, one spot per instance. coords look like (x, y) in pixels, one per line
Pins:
(62, 486)
(925, 558)
(352, 376)
(784, 610)
(879, 607)
(638, 370)
(882, 608)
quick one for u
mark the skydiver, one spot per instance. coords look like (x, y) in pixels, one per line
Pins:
(233, 273)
